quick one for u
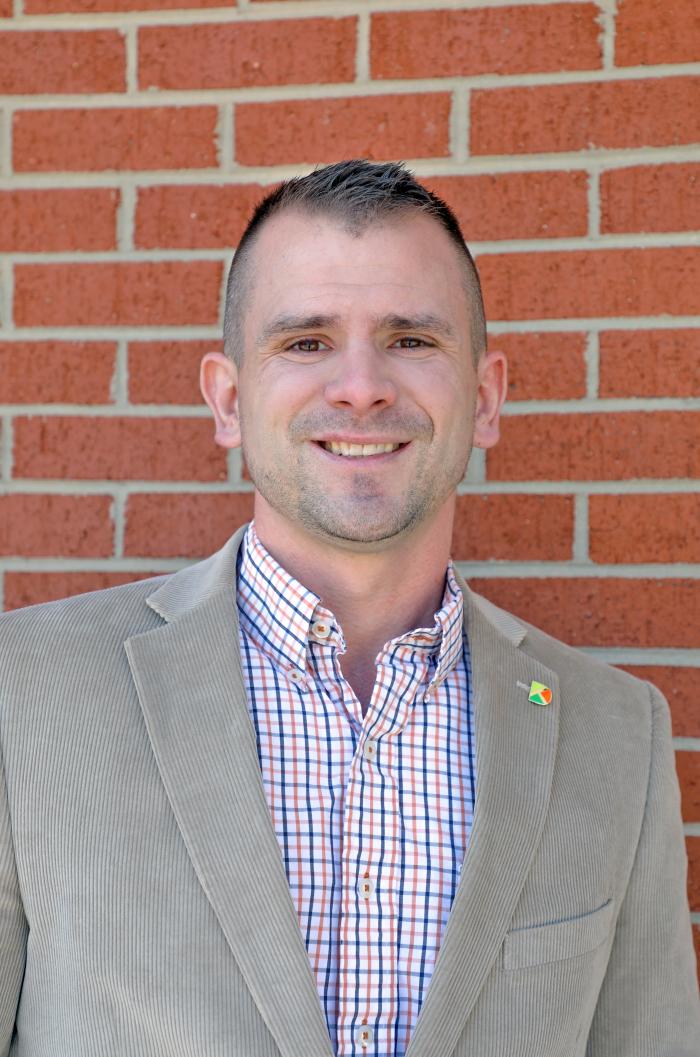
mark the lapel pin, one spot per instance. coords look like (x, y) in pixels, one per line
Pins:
(539, 694)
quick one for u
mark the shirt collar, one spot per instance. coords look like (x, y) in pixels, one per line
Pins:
(277, 612)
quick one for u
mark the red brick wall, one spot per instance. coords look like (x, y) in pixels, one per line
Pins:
(136, 134)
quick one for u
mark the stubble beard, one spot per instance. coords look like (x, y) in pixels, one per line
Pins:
(364, 515)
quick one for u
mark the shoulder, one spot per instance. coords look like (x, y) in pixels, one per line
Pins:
(50, 633)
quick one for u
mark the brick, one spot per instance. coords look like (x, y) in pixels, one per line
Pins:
(66, 526)
(115, 138)
(605, 612)
(53, 7)
(688, 767)
(49, 221)
(126, 293)
(327, 130)
(656, 31)
(516, 205)
(56, 372)
(571, 117)
(6, 8)
(167, 372)
(504, 40)
(644, 528)
(515, 527)
(240, 55)
(681, 688)
(584, 283)
(114, 449)
(650, 198)
(649, 363)
(545, 366)
(29, 589)
(693, 850)
(617, 446)
(194, 217)
(185, 526)
(59, 61)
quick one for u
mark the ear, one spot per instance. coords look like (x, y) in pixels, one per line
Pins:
(492, 382)
(218, 380)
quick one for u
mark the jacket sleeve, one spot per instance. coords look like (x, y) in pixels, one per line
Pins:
(13, 927)
(648, 1005)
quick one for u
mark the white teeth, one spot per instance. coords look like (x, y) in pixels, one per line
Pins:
(341, 447)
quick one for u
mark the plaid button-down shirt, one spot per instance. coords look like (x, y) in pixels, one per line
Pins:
(372, 813)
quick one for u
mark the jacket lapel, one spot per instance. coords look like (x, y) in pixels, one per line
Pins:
(190, 685)
(515, 746)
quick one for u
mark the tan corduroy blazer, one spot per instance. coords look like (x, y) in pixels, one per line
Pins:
(144, 907)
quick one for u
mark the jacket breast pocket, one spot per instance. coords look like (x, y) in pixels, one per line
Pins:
(541, 944)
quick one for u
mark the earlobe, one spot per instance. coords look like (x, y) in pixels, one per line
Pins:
(218, 381)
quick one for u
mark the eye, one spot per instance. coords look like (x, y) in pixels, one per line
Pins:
(307, 345)
(412, 342)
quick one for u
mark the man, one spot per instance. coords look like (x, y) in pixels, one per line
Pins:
(312, 795)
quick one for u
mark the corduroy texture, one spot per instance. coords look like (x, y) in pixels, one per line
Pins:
(138, 849)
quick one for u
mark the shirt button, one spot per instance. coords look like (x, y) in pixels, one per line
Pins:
(320, 629)
(370, 750)
(365, 887)
(297, 677)
(364, 1036)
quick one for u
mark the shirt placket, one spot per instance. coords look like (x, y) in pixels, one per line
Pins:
(372, 866)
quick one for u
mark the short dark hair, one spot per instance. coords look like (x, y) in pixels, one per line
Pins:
(357, 193)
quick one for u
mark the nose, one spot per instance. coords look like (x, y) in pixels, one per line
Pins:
(361, 381)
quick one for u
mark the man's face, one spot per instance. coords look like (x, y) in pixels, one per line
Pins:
(357, 395)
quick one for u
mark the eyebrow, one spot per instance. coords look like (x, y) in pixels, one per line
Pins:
(287, 323)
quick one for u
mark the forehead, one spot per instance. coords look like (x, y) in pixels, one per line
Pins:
(409, 265)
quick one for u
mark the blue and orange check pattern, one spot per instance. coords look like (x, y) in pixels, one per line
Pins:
(372, 813)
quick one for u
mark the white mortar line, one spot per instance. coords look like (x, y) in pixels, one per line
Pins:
(117, 510)
(607, 20)
(592, 360)
(643, 655)
(5, 449)
(459, 125)
(611, 405)
(213, 332)
(476, 470)
(6, 296)
(692, 829)
(349, 89)
(687, 743)
(664, 241)
(593, 194)
(235, 468)
(17, 9)
(262, 12)
(225, 138)
(119, 385)
(362, 54)
(543, 570)
(661, 487)
(132, 74)
(125, 218)
(514, 409)
(634, 486)
(580, 541)
(475, 165)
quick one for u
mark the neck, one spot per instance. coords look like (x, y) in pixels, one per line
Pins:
(376, 593)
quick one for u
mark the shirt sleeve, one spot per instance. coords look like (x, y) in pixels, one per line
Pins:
(648, 1005)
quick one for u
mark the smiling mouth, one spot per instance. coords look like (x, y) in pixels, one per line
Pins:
(357, 451)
